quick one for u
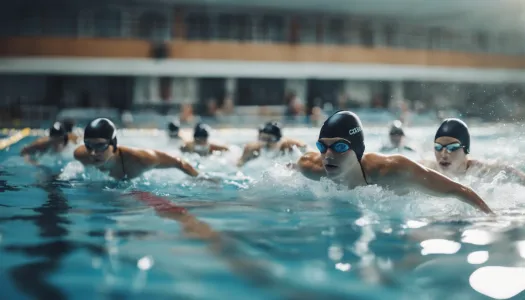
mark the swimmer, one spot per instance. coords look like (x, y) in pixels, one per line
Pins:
(55, 143)
(397, 139)
(270, 141)
(200, 144)
(100, 150)
(342, 159)
(451, 149)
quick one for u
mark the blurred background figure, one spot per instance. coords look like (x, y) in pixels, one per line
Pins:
(200, 143)
(397, 139)
(173, 129)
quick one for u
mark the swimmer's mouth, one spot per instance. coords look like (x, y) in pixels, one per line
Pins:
(444, 163)
(330, 167)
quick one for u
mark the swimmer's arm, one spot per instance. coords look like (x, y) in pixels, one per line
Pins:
(80, 154)
(29, 151)
(185, 148)
(515, 172)
(165, 161)
(436, 184)
(247, 155)
(311, 166)
(220, 148)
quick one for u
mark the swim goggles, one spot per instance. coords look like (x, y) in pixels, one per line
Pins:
(338, 147)
(450, 147)
(98, 147)
(272, 139)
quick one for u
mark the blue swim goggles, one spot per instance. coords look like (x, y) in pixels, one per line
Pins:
(339, 146)
(450, 147)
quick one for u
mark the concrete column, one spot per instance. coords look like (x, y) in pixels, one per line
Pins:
(398, 91)
(154, 90)
(230, 86)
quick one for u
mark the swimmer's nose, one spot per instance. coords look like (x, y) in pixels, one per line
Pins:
(329, 153)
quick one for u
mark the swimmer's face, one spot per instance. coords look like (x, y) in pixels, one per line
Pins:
(268, 139)
(336, 155)
(396, 139)
(451, 158)
(201, 141)
(174, 134)
(99, 150)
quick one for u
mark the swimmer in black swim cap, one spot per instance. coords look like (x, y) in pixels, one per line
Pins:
(341, 158)
(55, 142)
(397, 139)
(102, 151)
(200, 143)
(173, 129)
(451, 149)
(271, 141)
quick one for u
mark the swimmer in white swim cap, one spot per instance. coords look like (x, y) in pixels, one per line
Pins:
(452, 149)
(342, 159)
(100, 150)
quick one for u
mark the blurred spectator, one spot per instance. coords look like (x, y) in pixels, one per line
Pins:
(228, 108)
(186, 114)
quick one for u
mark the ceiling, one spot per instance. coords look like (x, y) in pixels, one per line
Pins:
(490, 15)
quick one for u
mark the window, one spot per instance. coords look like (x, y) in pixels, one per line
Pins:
(198, 27)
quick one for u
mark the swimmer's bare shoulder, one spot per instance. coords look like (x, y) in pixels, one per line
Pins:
(81, 154)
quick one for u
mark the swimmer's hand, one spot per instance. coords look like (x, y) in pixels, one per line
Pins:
(291, 166)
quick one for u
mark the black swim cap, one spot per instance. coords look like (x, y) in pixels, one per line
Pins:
(201, 131)
(347, 125)
(174, 126)
(272, 128)
(397, 128)
(102, 128)
(457, 129)
(58, 130)
(68, 123)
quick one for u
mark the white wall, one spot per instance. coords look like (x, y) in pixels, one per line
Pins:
(249, 69)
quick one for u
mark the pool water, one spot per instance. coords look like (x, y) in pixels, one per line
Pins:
(263, 232)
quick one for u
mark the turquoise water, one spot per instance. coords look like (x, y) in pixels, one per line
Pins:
(76, 234)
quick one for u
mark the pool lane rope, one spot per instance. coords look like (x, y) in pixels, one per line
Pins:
(15, 138)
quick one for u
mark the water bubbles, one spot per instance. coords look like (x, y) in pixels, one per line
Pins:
(335, 253)
(478, 257)
(343, 267)
(476, 237)
(439, 246)
(145, 263)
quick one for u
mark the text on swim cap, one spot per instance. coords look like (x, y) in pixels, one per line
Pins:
(354, 130)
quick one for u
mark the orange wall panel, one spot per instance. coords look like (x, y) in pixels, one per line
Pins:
(180, 49)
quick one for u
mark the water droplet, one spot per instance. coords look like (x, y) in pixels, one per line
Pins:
(145, 263)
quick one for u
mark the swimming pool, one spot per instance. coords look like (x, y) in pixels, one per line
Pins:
(272, 234)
